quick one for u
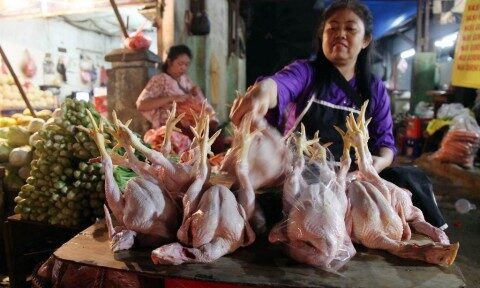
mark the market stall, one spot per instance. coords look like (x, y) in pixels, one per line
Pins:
(143, 212)
(261, 265)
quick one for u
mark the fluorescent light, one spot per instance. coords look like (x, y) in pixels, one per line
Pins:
(447, 41)
(398, 21)
(407, 53)
(85, 96)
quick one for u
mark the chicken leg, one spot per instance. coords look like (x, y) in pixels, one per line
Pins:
(214, 223)
(143, 211)
(380, 211)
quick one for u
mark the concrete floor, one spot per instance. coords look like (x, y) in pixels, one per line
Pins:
(464, 228)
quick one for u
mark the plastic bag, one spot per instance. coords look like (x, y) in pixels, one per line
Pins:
(138, 40)
(314, 205)
(461, 143)
(180, 143)
(424, 110)
(458, 146)
(29, 68)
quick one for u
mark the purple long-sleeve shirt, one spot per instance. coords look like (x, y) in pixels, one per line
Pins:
(295, 85)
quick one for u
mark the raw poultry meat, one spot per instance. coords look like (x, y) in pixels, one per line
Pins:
(381, 212)
(214, 224)
(264, 165)
(168, 138)
(144, 211)
(243, 172)
(175, 178)
(267, 156)
(313, 231)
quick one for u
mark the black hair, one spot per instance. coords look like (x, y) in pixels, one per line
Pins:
(174, 52)
(324, 67)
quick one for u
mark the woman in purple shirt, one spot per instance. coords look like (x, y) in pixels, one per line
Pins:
(322, 92)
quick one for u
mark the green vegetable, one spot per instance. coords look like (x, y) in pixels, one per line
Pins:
(20, 156)
(63, 188)
(5, 150)
(12, 180)
(4, 132)
(35, 124)
(122, 175)
(24, 172)
(17, 136)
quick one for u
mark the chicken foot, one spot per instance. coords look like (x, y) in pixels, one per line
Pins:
(380, 211)
(217, 227)
(142, 210)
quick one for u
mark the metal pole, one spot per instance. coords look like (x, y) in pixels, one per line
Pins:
(419, 31)
(426, 29)
(17, 82)
(119, 18)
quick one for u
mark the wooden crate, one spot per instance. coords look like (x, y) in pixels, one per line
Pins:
(28, 243)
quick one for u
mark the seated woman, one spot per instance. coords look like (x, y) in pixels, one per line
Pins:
(173, 84)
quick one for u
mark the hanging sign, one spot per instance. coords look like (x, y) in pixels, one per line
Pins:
(466, 65)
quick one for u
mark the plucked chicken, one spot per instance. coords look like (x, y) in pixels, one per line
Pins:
(214, 222)
(174, 178)
(314, 231)
(143, 210)
(267, 156)
(381, 212)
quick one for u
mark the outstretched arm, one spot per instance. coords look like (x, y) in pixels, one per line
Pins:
(258, 99)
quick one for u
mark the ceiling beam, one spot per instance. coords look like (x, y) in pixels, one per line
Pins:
(405, 38)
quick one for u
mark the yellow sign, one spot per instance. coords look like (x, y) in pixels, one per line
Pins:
(466, 65)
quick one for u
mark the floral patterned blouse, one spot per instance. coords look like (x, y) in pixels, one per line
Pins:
(163, 85)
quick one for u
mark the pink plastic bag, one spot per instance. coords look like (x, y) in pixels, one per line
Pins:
(138, 40)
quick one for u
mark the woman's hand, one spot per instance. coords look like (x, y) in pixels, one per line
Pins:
(258, 99)
(383, 160)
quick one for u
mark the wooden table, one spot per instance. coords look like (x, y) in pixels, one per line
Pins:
(263, 264)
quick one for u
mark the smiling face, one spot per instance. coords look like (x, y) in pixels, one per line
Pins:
(344, 37)
(178, 66)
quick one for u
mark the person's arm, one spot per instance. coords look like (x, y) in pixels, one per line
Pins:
(160, 101)
(383, 160)
(259, 98)
(276, 91)
(382, 142)
(155, 94)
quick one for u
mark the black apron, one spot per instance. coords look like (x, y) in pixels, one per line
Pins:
(322, 116)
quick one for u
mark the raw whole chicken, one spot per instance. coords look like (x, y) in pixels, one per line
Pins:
(214, 223)
(143, 210)
(263, 165)
(267, 157)
(314, 231)
(168, 138)
(381, 212)
(175, 178)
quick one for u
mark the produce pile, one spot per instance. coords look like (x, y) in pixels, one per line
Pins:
(63, 187)
(16, 136)
(11, 99)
